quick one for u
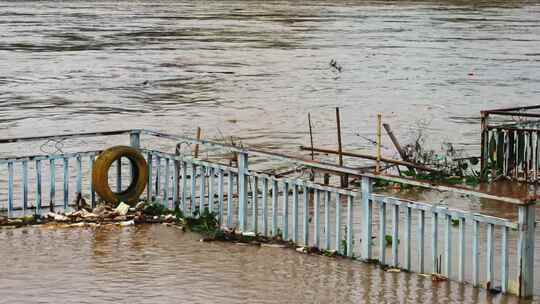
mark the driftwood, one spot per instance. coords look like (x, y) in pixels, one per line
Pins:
(397, 145)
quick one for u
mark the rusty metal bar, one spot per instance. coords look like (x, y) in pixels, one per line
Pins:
(483, 140)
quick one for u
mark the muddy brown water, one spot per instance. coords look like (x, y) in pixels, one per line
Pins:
(160, 264)
(251, 69)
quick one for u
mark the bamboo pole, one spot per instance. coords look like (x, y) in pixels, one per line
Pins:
(196, 150)
(379, 120)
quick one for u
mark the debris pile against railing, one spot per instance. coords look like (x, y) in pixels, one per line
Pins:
(250, 206)
(511, 143)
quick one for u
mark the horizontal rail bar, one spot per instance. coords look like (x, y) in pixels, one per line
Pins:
(300, 161)
(513, 109)
(371, 157)
(67, 135)
(441, 210)
(522, 114)
(47, 157)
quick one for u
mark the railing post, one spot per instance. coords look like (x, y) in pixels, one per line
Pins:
(367, 210)
(243, 189)
(10, 188)
(526, 223)
(135, 139)
(134, 142)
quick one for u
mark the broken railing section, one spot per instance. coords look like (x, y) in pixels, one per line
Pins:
(510, 143)
(307, 213)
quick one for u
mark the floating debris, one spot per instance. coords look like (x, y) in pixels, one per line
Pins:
(335, 65)
(437, 277)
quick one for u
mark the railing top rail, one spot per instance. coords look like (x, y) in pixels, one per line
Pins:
(511, 109)
(513, 128)
(67, 135)
(521, 114)
(513, 199)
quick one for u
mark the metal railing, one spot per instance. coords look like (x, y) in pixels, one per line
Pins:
(511, 148)
(488, 251)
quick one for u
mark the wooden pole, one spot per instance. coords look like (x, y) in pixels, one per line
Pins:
(312, 177)
(196, 150)
(344, 179)
(338, 124)
(379, 120)
(311, 136)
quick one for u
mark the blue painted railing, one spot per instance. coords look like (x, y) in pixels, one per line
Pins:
(353, 222)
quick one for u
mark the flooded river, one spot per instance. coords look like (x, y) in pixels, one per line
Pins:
(253, 70)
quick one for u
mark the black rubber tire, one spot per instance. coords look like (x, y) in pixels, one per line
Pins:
(100, 175)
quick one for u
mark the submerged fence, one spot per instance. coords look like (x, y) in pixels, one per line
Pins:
(463, 245)
(510, 144)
